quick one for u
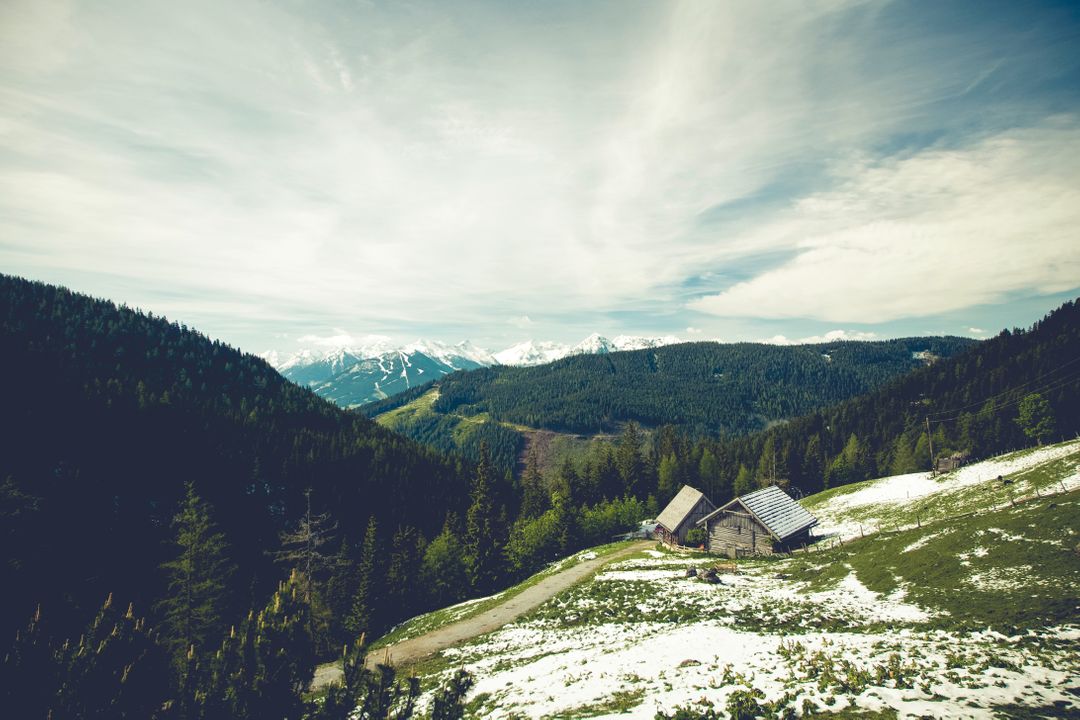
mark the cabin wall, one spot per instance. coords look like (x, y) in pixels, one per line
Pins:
(700, 510)
(735, 534)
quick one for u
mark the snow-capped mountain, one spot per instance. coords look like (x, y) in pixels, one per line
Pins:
(531, 352)
(376, 369)
(597, 344)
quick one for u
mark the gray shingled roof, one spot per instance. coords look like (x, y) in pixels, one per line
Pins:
(679, 507)
(775, 509)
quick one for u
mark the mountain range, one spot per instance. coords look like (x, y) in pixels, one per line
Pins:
(376, 369)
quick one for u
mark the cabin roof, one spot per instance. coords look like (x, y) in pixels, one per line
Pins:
(679, 507)
(775, 509)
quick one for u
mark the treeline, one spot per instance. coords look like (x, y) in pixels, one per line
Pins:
(705, 389)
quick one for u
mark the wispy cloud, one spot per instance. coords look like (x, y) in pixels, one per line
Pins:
(918, 235)
(258, 167)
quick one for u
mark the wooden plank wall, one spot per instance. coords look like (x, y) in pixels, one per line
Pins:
(734, 533)
(701, 509)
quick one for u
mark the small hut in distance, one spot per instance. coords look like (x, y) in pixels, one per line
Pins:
(763, 522)
(681, 514)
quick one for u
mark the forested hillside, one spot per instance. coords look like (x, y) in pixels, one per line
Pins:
(702, 388)
(236, 526)
(1012, 391)
(109, 413)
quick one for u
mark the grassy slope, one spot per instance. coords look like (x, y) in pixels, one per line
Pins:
(553, 448)
(1010, 568)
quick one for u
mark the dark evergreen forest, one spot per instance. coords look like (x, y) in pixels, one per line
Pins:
(704, 389)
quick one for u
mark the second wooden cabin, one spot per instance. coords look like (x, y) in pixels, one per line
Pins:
(681, 514)
(763, 522)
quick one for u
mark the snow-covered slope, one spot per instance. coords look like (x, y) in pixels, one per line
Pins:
(969, 612)
(902, 501)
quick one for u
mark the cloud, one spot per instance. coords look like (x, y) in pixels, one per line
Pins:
(831, 336)
(387, 165)
(976, 331)
(937, 231)
(342, 339)
(521, 321)
(694, 331)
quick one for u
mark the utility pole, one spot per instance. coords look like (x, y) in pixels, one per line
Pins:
(930, 442)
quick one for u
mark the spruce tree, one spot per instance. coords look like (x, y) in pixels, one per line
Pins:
(564, 504)
(193, 613)
(480, 548)
(360, 618)
(534, 500)
(406, 553)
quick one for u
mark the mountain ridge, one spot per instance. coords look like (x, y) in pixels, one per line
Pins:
(375, 369)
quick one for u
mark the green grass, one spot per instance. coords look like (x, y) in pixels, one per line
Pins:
(1010, 568)
(621, 701)
(400, 416)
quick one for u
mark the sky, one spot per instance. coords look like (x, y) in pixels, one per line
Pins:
(281, 174)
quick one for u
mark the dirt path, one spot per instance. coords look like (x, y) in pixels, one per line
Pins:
(407, 651)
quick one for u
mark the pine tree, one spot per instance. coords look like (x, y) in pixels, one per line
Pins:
(534, 499)
(284, 653)
(903, 457)
(744, 481)
(360, 618)
(302, 548)
(117, 670)
(767, 468)
(709, 473)
(406, 554)
(193, 613)
(443, 571)
(564, 504)
(668, 478)
(480, 547)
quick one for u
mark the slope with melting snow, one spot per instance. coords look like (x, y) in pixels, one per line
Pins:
(971, 612)
(906, 500)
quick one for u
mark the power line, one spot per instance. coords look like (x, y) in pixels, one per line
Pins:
(1049, 387)
(1009, 391)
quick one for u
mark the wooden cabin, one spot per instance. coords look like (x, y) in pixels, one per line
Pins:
(763, 522)
(681, 514)
(950, 463)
